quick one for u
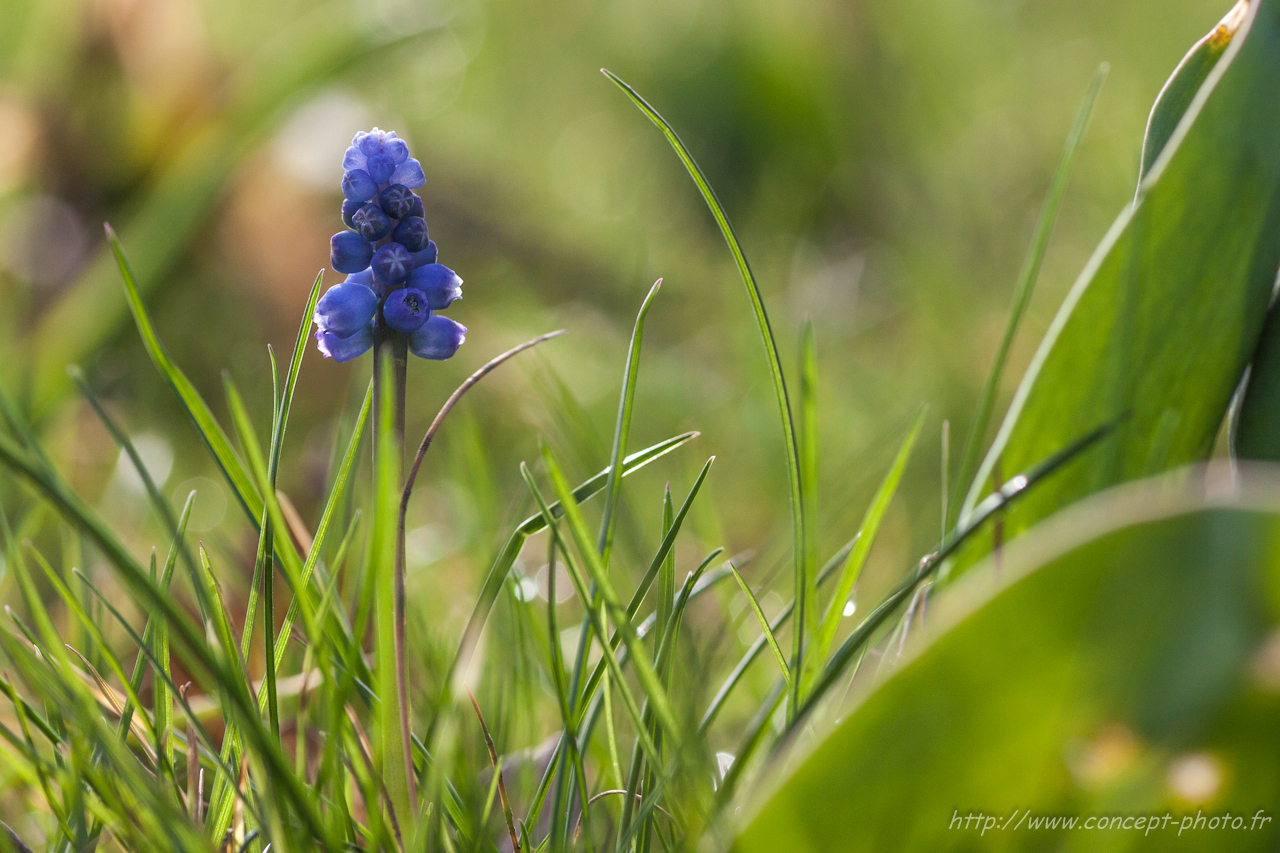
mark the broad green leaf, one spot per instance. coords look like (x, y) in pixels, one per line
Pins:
(1111, 645)
(1159, 327)
(1180, 89)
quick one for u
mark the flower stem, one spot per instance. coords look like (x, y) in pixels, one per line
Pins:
(391, 366)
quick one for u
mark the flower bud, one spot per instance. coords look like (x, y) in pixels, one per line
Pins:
(345, 349)
(345, 309)
(406, 310)
(417, 209)
(410, 174)
(440, 284)
(427, 255)
(438, 338)
(349, 208)
(357, 185)
(395, 150)
(349, 252)
(412, 233)
(392, 263)
(371, 222)
(379, 168)
(397, 201)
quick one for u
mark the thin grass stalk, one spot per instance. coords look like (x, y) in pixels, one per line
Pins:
(771, 353)
(1022, 291)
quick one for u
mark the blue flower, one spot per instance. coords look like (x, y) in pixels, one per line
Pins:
(412, 233)
(394, 284)
(344, 349)
(392, 263)
(379, 151)
(438, 338)
(406, 309)
(440, 284)
(346, 309)
(349, 252)
(371, 222)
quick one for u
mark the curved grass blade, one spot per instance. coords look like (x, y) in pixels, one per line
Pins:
(640, 661)
(622, 429)
(827, 572)
(595, 613)
(336, 495)
(826, 632)
(534, 524)
(764, 624)
(770, 348)
(1022, 291)
(200, 660)
(1016, 488)
(192, 403)
(661, 557)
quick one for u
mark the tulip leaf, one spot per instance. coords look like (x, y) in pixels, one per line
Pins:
(1158, 329)
(1110, 644)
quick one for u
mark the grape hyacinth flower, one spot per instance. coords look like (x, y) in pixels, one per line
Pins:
(394, 283)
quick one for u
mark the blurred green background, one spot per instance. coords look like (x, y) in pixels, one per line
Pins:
(883, 162)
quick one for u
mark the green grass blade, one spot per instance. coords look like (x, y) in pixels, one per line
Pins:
(336, 495)
(580, 586)
(534, 524)
(1180, 89)
(667, 572)
(770, 347)
(826, 633)
(1022, 291)
(1011, 492)
(192, 403)
(827, 572)
(623, 428)
(764, 624)
(640, 661)
(807, 621)
(662, 557)
(1192, 259)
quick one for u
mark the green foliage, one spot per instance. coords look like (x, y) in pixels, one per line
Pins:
(1193, 259)
(1123, 628)
(1115, 643)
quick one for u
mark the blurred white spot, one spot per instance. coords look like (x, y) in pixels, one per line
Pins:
(210, 506)
(1195, 778)
(1017, 483)
(310, 146)
(569, 638)
(405, 17)
(43, 241)
(426, 544)
(1105, 758)
(564, 586)
(724, 760)
(849, 607)
(526, 589)
(157, 458)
